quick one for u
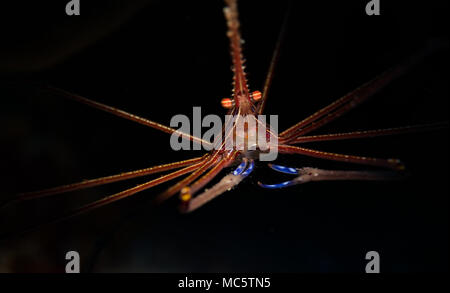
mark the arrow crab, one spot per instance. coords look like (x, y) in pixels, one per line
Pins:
(202, 182)
(247, 104)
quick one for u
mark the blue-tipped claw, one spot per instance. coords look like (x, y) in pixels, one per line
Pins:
(283, 169)
(249, 169)
(278, 185)
(240, 168)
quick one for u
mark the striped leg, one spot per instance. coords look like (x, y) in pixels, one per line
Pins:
(108, 179)
(342, 105)
(102, 181)
(112, 198)
(212, 160)
(370, 133)
(190, 204)
(273, 62)
(205, 179)
(387, 163)
(128, 116)
(309, 174)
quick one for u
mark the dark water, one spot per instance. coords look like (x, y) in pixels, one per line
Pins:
(158, 59)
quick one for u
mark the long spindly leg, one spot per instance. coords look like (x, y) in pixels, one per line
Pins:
(138, 188)
(387, 163)
(234, 35)
(342, 105)
(112, 198)
(205, 179)
(370, 133)
(108, 179)
(211, 161)
(189, 203)
(128, 116)
(100, 181)
(217, 162)
(273, 62)
(308, 174)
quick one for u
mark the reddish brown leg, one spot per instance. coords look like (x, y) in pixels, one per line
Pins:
(308, 174)
(108, 179)
(190, 203)
(231, 16)
(213, 159)
(369, 133)
(273, 62)
(136, 189)
(387, 163)
(113, 198)
(200, 183)
(127, 115)
(342, 105)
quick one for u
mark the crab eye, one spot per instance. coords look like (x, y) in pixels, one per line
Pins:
(227, 103)
(256, 96)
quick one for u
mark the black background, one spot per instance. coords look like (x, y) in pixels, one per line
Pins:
(160, 58)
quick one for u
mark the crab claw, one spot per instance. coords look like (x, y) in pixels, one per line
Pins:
(278, 185)
(283, 169)
(189, 203)
(249, 169)
(240, 168)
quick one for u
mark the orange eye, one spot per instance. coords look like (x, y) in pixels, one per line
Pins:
(227, 103)
(256, 96)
